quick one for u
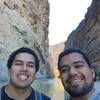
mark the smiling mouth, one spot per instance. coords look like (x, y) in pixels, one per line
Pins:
(23, 77)
(75, 80)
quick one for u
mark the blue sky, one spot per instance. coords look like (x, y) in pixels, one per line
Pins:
(65, 16)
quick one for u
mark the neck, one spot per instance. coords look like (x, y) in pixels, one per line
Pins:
(85, 97)
(17, 93)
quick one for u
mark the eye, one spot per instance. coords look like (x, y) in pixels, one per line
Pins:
(79, 66)
(64, 70)
(18, 63)
(31, 65)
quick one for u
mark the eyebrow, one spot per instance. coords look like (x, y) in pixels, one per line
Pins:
(27, 62)
(64, 66)
(31, 62)
(76, 62)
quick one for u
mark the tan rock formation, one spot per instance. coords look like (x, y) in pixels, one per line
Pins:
(87, 34)
(54, 52)
(24, 23)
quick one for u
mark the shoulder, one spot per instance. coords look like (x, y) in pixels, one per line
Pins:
(96, 93)
(97, 86)
(3, 95)
(97, 89)
(41, 95)
(2, 89)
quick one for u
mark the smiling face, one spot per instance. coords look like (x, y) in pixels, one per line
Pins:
(76, 75)
(22, 71)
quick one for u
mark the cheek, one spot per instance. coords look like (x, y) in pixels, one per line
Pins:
(12, 75)
(89, 76)
(64, 77)
(32, 71)
(11, 72)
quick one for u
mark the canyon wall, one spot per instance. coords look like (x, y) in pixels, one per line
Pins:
(23, 23)
(87, 35)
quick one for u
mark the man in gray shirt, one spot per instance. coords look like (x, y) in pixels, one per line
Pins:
(77, 75)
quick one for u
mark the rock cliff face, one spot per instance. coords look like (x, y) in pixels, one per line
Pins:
(87, 34)
(54, 51)
(23, 23)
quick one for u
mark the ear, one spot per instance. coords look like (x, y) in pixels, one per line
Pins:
(93, 73)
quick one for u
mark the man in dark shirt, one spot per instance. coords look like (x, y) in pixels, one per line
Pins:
(22, 67)
(35, 95)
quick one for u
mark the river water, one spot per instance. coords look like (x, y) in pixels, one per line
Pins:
(51, 87)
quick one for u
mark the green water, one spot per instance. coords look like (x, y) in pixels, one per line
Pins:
(51, 87)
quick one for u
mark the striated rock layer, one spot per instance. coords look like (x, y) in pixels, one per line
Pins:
(87, 34)
(23, 23)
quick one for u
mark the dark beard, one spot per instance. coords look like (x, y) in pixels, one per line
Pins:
(78, 93)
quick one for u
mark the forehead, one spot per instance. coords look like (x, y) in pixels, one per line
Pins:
(24, 57)
(72, 57)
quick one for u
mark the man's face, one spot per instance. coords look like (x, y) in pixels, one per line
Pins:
(22, 71)
(76, 75)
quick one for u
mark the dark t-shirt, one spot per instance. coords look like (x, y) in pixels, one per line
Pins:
(32, 96)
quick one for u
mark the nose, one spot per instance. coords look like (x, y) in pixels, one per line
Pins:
(24, 67)
(73, 70)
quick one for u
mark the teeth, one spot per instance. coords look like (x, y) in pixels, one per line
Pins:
(23, 77)
(75, 80)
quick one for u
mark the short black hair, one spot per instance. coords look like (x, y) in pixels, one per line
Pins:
(22, 50)
(73, 50)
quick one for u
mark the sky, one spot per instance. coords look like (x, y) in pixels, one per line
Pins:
(65, 16)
